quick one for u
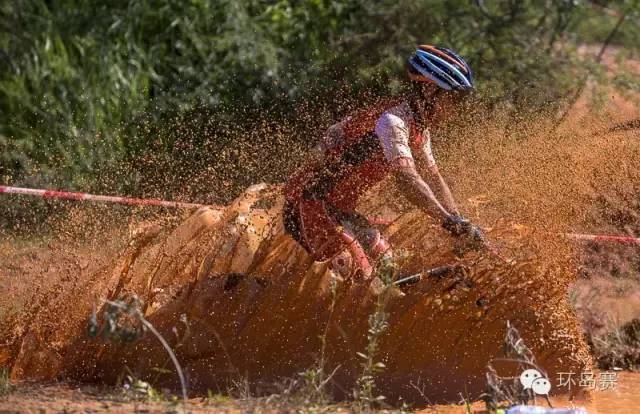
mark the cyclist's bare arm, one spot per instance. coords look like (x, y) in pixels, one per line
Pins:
(426, 161)
(417, 190)
(446, 192)
(393, 132)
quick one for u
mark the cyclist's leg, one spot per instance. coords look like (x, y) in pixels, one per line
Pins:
(346, 239)
(326, 239)
(372, 241)
(319, 231)
(352, 261)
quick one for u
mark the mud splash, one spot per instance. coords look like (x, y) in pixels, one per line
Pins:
(256, 306)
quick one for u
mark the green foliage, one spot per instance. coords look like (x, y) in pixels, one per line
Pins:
(595, 23)
(619, 348)
(5, 381)
(316, 378)
(213, 398)
(364, 393)
(86, 84)
(142, 389)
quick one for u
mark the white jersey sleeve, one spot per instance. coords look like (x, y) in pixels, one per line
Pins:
(393, 133)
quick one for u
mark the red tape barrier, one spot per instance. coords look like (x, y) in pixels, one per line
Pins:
(69, 195)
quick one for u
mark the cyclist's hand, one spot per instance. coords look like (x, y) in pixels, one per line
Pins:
(457, 225)
(472, 236)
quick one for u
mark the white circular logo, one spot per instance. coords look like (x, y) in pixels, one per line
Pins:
(528, 376)
(541, 386)
(532, 379)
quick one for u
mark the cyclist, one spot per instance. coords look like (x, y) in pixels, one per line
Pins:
(362, 149)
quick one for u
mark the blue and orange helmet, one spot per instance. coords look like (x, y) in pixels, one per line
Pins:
(441, 66)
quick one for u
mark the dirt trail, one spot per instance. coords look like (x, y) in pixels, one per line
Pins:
(61, 397)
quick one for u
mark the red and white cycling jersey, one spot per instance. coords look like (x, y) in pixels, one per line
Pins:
(353, 155)
(358, 152)
(393, 131)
